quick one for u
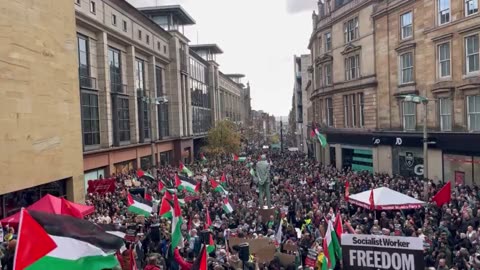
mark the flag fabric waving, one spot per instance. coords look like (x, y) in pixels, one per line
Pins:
(208, 224)
(186, 183)
(183, 169)
(139, 205)
(33, 242)
(80, 244)
(223, 180)
(234, 157)
(331, 248)
(227, 207)
(321, 138)
(203, 158)
(201, 263)
(347, 190)
(372, 200)
(217, 187)
(141, 174)
(339, 224)
(444, 195)
(279, 234)
(166, 205)
(177, 221)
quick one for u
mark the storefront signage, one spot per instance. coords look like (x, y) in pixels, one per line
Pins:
(372, 252)
(418, 170)
(101, 186)
(398, 141)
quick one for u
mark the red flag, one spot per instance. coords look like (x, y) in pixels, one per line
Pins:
(235, 157)
(33, 242)
(68, 209)
(347, 190)
(133, 262)
(140, 173)
(372, 201)
(201, 263)
(148, 197)
(130, 200)
(312, 133)
(444, 195)
(338, 224)
(223, 179)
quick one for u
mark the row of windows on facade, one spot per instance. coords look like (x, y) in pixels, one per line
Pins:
(353, 112)
(93, 10)
(406, 63)
(351, 27)
(90, 115)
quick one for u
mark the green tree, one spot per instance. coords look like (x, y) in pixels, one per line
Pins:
(223, 139)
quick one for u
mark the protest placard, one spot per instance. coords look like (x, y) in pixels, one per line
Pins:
(372, 252)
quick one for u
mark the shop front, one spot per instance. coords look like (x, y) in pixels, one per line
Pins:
(461, 169)
(407, 161)
(14, 201)
(125, 166)
(350, 150)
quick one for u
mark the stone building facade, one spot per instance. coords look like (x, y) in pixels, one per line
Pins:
(428, 48)
(344, 85)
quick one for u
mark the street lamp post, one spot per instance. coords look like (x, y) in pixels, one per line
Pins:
(423, 100)
(152, 102)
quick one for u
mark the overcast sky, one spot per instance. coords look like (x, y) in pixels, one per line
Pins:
(259, 39)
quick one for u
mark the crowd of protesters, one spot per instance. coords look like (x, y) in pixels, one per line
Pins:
(305, 195)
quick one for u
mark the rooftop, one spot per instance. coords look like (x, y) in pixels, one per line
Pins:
(235, 75)
(213, 48)
(176, 10)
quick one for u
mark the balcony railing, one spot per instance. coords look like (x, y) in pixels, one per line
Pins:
(118, 88)
(88, 82)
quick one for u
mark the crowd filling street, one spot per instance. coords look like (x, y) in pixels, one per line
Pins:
(301, 196)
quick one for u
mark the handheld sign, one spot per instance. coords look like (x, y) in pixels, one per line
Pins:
(378, 252)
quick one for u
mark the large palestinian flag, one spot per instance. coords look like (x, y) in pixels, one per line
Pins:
(139, 205)
(183, 169)
(78, 244)
(217, 187)
(186, 183)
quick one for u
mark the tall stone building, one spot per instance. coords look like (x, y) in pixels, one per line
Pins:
(40, 142)
(302, 101)
(344, 84)
(428, 48)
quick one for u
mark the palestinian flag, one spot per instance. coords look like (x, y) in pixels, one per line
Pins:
(223, 180)
(186, 183)
(177, 221)
(321, 138)
(208, 225)
(203, 158)
(331, 248)
(217, 187)
(201, 263)
(77, 244)
(166, 208)
(226, 206)
(183, 169)
(141, 174)
(237, 158)
(139, 205)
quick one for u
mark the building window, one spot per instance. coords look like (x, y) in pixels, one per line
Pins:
(472, 54)
(352, 67)
(144, 116)
(162, 108)
(443, 11)
(83, 62)
(328, 41)
(346, 115)
(139, 74)
(471, 7)
(473, 113)
(164, 48)
(350, 29)
(406, 22)
(114, 19)
(148, 39)
(123, 120)
(444, 60)
(158, 46)
(140, 34)
(328, 74)
(90, 119)
(78, 2)
(92, 7)
(354, 110)
(114, 59)
(318, 76)
(409, 116)
(445, 110)
(329, 112)
(361, 103)
(406, 68)
(125, 26)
